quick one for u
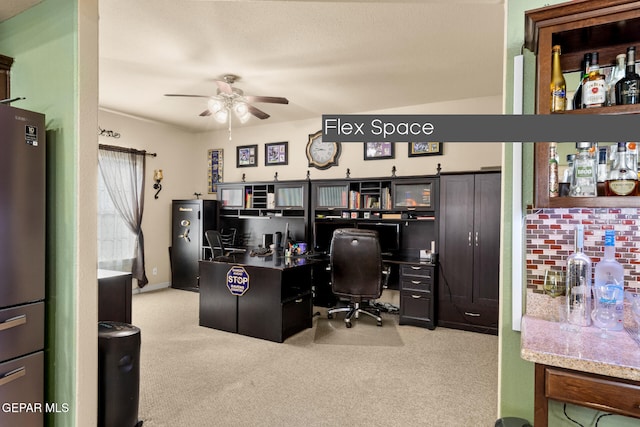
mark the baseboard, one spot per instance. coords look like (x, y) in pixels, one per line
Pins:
(151, 288)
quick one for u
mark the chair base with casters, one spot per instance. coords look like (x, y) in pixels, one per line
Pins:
(354, 310)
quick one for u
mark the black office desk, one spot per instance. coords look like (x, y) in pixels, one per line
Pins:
(276, 304)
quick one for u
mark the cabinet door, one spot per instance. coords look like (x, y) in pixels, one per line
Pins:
(486, 238)
(456, 239)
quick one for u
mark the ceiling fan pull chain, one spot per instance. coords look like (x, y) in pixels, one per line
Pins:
(229, 127)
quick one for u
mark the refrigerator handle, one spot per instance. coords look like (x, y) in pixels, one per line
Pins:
(13, 375)
(13, 322)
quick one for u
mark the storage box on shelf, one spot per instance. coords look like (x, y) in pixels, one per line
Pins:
(579, 27)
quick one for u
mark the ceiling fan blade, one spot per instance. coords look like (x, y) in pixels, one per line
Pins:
(258, 113)
(205, 113)
(224, 87)
(189, 96)
(270, 99)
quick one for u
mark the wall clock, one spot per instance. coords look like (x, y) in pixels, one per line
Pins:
(322, 155)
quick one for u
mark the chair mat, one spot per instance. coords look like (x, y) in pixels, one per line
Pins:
(364, 331)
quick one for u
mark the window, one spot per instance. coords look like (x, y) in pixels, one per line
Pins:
(116, 243)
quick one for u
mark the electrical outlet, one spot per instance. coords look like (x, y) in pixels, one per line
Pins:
(154, 271)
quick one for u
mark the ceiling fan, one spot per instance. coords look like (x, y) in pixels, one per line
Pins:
(229, 98)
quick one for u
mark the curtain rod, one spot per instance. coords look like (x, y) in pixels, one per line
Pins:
(125, 150)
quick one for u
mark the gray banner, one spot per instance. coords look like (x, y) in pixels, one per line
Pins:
(480, 128)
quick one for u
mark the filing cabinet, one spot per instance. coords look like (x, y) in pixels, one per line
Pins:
(416, 295)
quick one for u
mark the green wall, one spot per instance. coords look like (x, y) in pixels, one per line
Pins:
(43, 43)
(517, 375)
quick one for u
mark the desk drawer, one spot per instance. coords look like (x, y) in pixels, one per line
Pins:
(594, 391)
(417, 270)
(416, 308)
(296, 315)
(421, 284)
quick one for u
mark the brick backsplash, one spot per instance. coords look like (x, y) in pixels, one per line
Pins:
(549, 235)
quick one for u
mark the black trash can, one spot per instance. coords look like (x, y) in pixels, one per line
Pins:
(512, 422)
(118, 374)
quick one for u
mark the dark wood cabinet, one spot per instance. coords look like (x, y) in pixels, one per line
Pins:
(5, 80)
(469, 253)
(417, 281)
(604, 26)
(114, 296)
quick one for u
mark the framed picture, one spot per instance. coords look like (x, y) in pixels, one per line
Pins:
(247, 156)
(425, 149)
(215, 160)
(379, 150)
(276, 153)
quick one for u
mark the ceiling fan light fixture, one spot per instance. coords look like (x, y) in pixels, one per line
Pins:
(221, 115)
(215, 105)
(242, 111)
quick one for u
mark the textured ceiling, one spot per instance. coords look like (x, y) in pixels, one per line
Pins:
(10, 8)
(324, 56)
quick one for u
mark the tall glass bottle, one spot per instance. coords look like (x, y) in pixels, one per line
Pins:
(594, 90)
(579, 282)
(628, 88)
(554, 186)
(622, 179)
(577, 97)
(617, 73)
(609, 273)
(583, 182)
(558, 84)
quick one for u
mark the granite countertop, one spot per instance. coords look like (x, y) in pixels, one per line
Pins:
(544, 342)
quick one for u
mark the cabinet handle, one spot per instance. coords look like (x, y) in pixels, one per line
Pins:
(469, 238)
(476, 238)
(416, 282)
(13, 322)
(467, 313)
(416, 296)
(12, 375)
(298, 301)
(416, 267)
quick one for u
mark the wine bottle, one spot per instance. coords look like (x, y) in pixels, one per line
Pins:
(554, 187)
(558, 84)
(628, 88)
(610, 273)
(594, 91)
(579, 282)
(577, 97)
(617, 73)
(622, 180)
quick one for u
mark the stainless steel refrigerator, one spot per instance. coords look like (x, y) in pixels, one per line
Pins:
(22, 267)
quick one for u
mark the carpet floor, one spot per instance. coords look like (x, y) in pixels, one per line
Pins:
(327, 375)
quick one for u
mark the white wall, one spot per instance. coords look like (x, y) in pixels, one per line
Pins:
(457, 156)
(183, 158)
(176, 155)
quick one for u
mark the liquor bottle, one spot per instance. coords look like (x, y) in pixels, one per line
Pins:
(577, 97)
(594, 90)
(583, 182)
(622, 180)
(603, 170)
(609, 273)
(628, 88)
(579, 282)
(558, 84)
(617, 73)
(554, 188)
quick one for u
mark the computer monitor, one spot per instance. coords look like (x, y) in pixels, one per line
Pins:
(323, 233)
(388, 235)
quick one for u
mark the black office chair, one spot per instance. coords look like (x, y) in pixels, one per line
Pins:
(356, 272)
(216, 243)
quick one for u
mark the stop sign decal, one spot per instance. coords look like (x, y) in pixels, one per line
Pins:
(237, 280)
